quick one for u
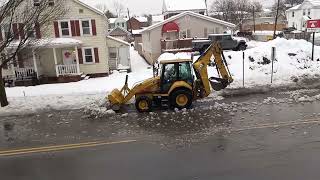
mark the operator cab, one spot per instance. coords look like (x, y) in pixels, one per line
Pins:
(173, 71)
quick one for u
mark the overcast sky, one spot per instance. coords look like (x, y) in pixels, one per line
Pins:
(139, 7)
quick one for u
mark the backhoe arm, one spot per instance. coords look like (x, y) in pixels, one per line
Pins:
(201, 70)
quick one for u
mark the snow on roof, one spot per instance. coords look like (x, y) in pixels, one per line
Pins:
(48, 42)
(118, 40)
(141, 19)
(112, 20)
(138, 31)
(183, 5)
(294, 8)
(157, 18)
(314, 2)
(191, 14)
(83, 3)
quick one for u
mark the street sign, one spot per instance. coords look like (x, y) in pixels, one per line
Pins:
(313, 25)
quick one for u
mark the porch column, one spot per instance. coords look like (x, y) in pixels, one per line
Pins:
(55, 61)
(35, 63)
(77, 59)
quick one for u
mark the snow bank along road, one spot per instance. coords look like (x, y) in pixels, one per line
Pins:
(293, 68)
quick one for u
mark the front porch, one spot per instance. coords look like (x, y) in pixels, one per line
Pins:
(44, 64)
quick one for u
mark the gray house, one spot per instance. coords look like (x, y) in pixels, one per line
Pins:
(175, 34)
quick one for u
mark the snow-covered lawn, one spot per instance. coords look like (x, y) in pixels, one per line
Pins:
(72, 95)
(292, 60)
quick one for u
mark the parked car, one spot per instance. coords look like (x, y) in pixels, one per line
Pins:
(227, 41)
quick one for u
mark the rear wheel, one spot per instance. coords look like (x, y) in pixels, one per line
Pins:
(143, 104)
(181, 99)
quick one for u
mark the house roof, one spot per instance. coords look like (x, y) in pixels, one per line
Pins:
(113, 20)
(120, 28)
(83, 3)
(118, 40)
(197, 15)
(183, 5)
(314, 3)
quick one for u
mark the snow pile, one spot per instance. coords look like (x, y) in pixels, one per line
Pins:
(293, 58)
(170, 56)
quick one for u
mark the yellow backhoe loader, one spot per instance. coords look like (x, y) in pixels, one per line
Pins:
(180, 83)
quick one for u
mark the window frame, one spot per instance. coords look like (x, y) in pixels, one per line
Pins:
(36, 2)
(90, 26)
(293, 14)
(69, 27)
(116, 52)
(188, 35)
(51, 2)
(84, 55)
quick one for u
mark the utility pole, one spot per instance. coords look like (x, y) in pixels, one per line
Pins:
(276, 21)
(254, 19)
(129, 21)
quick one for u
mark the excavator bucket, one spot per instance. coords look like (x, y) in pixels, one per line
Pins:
(116, 97)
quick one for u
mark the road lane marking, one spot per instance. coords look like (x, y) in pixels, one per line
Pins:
(59, 148)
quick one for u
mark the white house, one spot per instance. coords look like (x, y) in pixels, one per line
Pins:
(118, 22)
(297, 16)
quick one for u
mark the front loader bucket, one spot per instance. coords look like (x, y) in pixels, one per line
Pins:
(116, 97)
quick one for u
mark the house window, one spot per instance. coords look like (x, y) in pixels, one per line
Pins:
(292, 14)
(65, 28)
(205, 32)
(309, 12)
(113, 53)
(88, 55)
(31, 32)
(122, 24)
(185, 34)
(80, 11)
(86, 27)
(6, 31)
(304, 12)
(51, 2)
(36, 2)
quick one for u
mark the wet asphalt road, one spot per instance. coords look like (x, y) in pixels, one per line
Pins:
(252, 137)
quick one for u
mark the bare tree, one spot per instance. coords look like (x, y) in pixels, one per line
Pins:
(20, 20)
(235, 10)
(105, 10)
(118, 8)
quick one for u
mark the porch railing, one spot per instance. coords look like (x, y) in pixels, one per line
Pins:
(25, 73)
(71, 69)
(176, 45)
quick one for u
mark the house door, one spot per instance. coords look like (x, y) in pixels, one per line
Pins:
(68, 57)
(124, 56)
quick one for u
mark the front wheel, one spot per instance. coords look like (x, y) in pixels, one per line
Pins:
(181, 99)
(143, 104)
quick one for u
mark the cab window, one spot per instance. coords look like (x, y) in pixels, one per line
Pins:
(185, 72)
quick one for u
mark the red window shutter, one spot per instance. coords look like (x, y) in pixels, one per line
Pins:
(56, 29)
(73, 28)
(21, 30)
(77, 24)
(1, 37)
(15, 31)
(20, 61)
(38, 31)
(94, 28)
(96, 55)
(80, 56)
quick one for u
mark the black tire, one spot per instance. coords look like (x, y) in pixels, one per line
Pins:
(181, 92)
(146, 100)
(242, 47)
